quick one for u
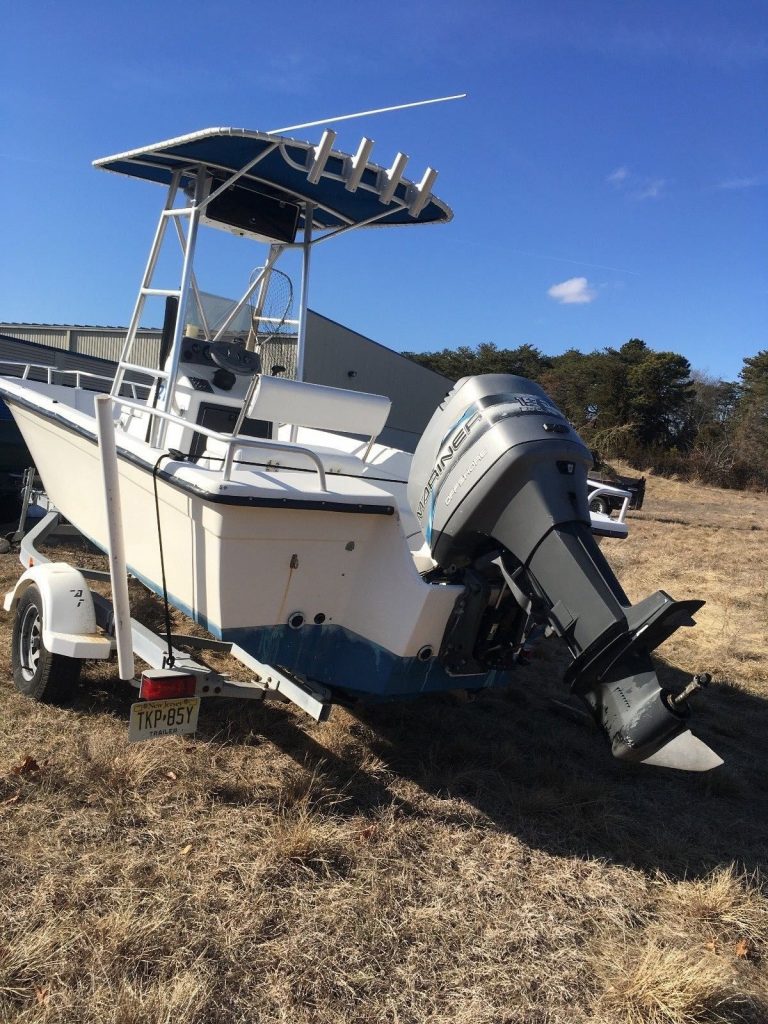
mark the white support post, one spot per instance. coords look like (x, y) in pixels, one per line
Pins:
(117, 568)
(309, 210)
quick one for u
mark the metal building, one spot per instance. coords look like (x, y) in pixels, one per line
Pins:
(335, 355)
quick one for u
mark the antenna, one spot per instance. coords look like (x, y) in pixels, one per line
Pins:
(366, 113)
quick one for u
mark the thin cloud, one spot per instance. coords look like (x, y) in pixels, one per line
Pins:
(618, 177)
(651, 188)
(574, 291)
(635, 186)
(575, 263)
(732, 184)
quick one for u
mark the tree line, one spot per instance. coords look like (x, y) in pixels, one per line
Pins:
(648, 408)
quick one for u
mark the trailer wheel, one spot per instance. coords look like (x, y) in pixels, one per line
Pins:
(599, 505)
(37, 673)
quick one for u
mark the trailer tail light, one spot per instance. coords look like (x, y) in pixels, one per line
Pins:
(164, 683)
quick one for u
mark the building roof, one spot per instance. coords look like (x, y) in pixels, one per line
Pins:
(73, 327)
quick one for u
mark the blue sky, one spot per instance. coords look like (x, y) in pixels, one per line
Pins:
(608, 172)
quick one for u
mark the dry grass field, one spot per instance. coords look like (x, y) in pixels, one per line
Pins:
(472, 861)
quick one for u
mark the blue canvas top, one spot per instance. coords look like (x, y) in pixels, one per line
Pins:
(282, 172)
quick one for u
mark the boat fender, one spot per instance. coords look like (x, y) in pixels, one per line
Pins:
(69, 617)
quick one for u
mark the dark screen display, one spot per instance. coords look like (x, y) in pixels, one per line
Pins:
(255, 212)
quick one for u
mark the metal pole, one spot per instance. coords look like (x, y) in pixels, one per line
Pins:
(193, 280)
(365, 113)
(309, 209)
(118, 571)
(258, 306)
(274, 253)
(202, 184)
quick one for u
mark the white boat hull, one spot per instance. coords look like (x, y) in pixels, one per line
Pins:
(243, 572)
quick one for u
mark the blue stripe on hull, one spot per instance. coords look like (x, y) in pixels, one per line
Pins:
(340, 659)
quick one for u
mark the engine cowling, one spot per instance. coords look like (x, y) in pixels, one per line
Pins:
(498, 483)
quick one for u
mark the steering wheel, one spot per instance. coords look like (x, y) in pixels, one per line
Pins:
(233, 357)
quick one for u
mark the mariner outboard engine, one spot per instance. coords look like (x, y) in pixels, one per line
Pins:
(498, 483)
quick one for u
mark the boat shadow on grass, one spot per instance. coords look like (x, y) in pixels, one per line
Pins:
(525, 761)
(532, 765)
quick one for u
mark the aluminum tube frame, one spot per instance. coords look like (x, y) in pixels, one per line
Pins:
(193, 280)
(149, 271)
(202, 185)
(272, 258)
(301, 341)
(258, 306)
(237, 174)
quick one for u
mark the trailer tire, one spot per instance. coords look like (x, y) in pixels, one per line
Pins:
(37, 673)
(599, 505)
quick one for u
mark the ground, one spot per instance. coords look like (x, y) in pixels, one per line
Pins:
(477, 861)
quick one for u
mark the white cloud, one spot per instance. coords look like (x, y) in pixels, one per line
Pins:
(618, 177)
(574, 290)
(652, 188)
(635, 186)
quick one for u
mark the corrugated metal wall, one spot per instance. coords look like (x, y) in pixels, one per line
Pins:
(15, 350)
(99, 342)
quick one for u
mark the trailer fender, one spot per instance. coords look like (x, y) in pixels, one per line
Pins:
(69, 618)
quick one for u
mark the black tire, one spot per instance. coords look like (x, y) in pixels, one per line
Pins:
(48, 678)
(599, 505)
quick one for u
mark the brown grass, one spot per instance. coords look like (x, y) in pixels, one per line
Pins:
(473, 862)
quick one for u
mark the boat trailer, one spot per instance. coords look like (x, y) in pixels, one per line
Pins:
(58, 618)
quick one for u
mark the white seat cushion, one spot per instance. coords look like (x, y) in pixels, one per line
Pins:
(281, 400)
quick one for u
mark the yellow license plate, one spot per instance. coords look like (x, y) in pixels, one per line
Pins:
(153, 718)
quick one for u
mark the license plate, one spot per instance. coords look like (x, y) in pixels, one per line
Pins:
(153, 718)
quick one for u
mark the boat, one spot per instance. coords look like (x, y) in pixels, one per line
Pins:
(14, 459)
(265, 508)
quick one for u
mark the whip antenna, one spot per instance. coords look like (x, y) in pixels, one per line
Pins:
(366, 113)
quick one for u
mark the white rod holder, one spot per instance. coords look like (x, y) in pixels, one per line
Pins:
(391, 178)
(118, 570)
(320, 157)
(358, 164)
(423, 192)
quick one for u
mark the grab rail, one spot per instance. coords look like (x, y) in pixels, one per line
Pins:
(78, 375)
(231, 441)
(616, 492)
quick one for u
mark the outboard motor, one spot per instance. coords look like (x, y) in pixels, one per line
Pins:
(498, 483)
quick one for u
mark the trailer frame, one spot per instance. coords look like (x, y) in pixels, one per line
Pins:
(266, 681)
